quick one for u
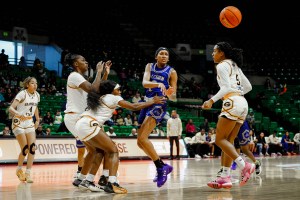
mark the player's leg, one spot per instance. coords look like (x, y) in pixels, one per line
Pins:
(31, 139)
(21, 138)
(104, 142)
(91, 165)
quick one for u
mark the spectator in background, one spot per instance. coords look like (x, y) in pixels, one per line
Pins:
(2, 99)
(48, 131)
(205, 125)
(251, 119)
(58, 118)
(262, 144)
(296, 139)
(128, 120)
(200, 145)
(109, 122)
(65, 69)
(39, 131)
(174, 131)
(268, 85)
(252, 141)
(48, 119)
(120, 120)
(284, 90)
(9, 95)
(114, 119)
(133, 133)
(14, 82)
(135, 121)
(190, 129)
(287, 143)
(3, 60)
(6, 131)
(22, 62)
(136, 98)
(111, 132)
(275, 144)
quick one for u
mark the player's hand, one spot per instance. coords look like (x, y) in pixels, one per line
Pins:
(159, 100)
(107, 66)
(162, 88)
(207, 104)
(100, 66)
(170, 91)
(36, 124)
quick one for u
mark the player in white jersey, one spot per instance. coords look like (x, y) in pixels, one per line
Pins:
(23, 108)
(77, 88)
(101, 106)
(233, 85)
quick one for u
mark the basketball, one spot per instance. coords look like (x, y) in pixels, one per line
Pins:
(230, 17)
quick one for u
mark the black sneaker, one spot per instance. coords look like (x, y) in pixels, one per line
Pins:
(76, 182)
(103, 180)
(88, 185)
(258, 167)
(114, 188)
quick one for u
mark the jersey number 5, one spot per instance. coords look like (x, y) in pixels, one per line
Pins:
(237, 80)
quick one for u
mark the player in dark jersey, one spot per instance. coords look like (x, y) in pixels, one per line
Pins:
(159, 79)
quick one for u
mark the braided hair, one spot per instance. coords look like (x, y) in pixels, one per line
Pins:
(93, 98)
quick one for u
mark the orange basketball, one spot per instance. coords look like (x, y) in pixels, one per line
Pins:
(230, 17)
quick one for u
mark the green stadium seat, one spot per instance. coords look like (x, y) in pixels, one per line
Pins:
(55, 133)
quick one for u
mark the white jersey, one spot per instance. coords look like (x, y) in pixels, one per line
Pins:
(28, 102)
(231, 80)
(104, 112)
(76, 97)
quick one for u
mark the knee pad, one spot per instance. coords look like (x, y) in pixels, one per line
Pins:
(24, 150)
(32, 149)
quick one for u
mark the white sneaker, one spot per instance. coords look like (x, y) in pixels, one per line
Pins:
(260, 154)
(267, 154)
(206, 156)
(76, 175)
(197, 156)
(273, 154)
(88, 185)
(279, 154)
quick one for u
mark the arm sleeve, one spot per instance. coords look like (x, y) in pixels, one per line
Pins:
(224, 81)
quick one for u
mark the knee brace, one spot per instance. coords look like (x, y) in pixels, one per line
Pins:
(32, 149)
(24, 152)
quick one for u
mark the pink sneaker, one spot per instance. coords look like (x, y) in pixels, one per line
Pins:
(221, 182)
(246, 172)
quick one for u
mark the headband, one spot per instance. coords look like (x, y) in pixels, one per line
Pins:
(117, 86)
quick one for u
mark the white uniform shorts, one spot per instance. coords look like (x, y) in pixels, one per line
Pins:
(22, 127)
(235, 108)
(87, 128)
(70, 121)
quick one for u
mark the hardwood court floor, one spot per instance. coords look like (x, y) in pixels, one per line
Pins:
(280, 179)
